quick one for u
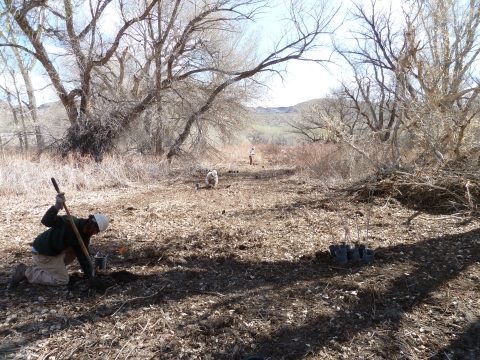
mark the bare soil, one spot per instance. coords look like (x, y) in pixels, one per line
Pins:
(245, 269)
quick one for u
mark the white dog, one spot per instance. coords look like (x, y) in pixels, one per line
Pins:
(212, 178)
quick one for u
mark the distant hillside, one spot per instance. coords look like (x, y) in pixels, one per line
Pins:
(280, 116)
(268, 116)
(265, 124)
(272, 110)
(49, 105)
(272, 125)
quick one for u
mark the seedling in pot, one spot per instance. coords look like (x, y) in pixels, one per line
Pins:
(358, 231)
(341, 252)
(352, 251)
(368, 254)
(100, 261)
(334, 246)
(342, 255)
(358, 245)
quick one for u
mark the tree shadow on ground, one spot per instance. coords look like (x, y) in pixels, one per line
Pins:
(466, 347)
(390, 305)
(253, 289)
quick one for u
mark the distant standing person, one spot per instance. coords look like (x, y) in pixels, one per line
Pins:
(251, 154)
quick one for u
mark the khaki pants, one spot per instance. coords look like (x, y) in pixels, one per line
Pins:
(251, 160)
(50, 270)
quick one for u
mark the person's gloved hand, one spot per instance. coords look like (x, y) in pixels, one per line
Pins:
(59, 201)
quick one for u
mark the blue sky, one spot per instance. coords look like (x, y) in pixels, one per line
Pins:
(302, 81)
(306, 81)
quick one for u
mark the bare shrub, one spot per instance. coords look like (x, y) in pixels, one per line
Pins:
(331, 162)
(276, 154)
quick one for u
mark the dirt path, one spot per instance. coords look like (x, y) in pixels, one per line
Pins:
(244, 269)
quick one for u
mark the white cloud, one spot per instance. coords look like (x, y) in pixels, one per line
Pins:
(304, 81)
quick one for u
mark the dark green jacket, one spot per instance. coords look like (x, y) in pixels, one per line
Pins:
(61, 236)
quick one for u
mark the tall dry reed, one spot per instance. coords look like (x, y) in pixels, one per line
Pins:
(20, 175)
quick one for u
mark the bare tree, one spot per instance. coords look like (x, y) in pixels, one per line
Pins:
(415, 75)
(200, 54)
(444, 48)
(325, 118)
(24, 64)
(188, 46)
(12, 94)
(374, 58)
(86, 44)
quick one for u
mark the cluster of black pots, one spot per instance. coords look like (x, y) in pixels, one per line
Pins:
(233, 171)
(343, 253)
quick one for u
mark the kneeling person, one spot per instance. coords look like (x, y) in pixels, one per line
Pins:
(58, 247)
(212, 179)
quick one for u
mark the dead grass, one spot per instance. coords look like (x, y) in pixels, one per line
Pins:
(20, 175)
(331, 163)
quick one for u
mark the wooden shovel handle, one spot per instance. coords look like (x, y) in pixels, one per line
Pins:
(85, 251)
(55, 185)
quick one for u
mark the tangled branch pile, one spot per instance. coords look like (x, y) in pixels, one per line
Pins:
(90, 137)
(440, 191)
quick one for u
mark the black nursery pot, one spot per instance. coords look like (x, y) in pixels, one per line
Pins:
(332, 249)
(254, 357)
(100, 262)
(368, 256)
(345, 247)
(353, 254)
(341, 255)
(361, 248)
